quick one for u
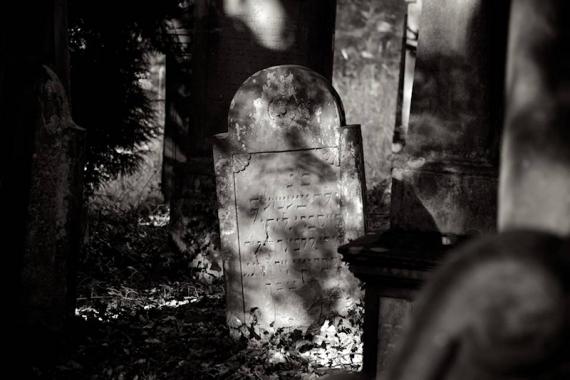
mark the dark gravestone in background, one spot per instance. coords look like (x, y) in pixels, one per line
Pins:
(289, 192)
(230, 41)
(53, 229)
(445, 178)
(40, 180)
(367, 65)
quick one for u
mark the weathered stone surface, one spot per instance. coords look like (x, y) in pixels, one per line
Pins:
(366, 73)
(393, 316)
(451, 112)
(34, 116)
(455, 120)
(289, 191)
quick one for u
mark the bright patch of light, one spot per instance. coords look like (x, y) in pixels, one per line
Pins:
(172, 304)
(336, 347)
(160, 218)
(118, 302)
(265, 19)
(89, 313)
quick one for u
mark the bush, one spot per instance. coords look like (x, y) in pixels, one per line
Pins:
(109, 45)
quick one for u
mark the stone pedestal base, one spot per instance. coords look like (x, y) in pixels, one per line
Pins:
(393, 265)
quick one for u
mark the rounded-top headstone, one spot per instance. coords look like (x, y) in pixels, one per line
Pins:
(283, 108)
(287, 136)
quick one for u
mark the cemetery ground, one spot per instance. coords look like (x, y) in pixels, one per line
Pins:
(145, 311)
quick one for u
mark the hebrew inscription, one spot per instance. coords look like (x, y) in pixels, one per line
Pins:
(290, 223)
(289, 194)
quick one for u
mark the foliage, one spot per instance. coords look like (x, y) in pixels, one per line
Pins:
(333, 343)
(130, 245)
(194, 228)
(130, 192)
(109, 46)
(143, 313)
(367, 66)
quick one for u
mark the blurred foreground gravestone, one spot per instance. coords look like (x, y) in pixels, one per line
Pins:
(42, 186)
(289, 192)
(498, 309)
(444, 179)
(535, 159)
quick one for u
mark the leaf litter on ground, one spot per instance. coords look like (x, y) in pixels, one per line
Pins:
(143, 313)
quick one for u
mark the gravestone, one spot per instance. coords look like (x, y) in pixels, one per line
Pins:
(366, 72)
(288, 177)
(53, 227)
(444, 179)
(40, 182)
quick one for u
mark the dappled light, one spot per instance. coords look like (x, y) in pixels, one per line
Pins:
(143, 310)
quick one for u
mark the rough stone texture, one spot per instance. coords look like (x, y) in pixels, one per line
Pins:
(53, 211)
(366, 73)
(289, 192)
(393, 265)
(455, 120)
(451, 199)
(393, 315)
(498, 309)
(535, 162)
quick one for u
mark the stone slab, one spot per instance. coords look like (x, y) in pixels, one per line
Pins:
(447, 170)
(289, 193)
(366, 73)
